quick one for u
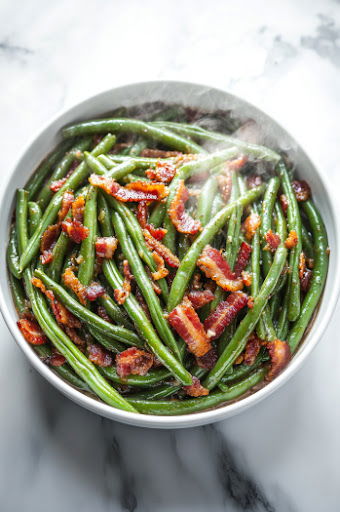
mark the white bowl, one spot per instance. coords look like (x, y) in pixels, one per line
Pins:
(201, 97)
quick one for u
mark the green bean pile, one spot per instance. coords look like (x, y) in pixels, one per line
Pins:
(240, 196)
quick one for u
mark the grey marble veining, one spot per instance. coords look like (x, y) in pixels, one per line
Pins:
(281, 456)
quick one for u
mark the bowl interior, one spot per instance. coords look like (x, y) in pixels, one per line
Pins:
(196, 96)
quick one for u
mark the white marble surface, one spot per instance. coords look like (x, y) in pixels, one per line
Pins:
(281, 456)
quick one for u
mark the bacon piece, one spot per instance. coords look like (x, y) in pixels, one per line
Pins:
(106, 246)
(305, 273)
(72, 282)
(284, 203)
(161, 270)
(280, 355)
(157, 233)
(75, 230)
(251, 351)
(74, 336)
(136, 191)
(142, 217)
(237, 163)
(224, 314)
(273, 241)
(101, 311)
(182, 221)
(78, 207)
(251, 224)
(302, 190)
(121, 294)
(163, 172)
(48, 241)
(94, 290)
(161, 249)
(196, 388)
(57, 184)
(291, 240)
(31, 331)
(247, 278)
(133, 361)
(225, 185)
(208, 361)
(158, 153)
(200, 298)
(254, 180)
(242, 258)
(56, 359)
(99, 356)
(250, 302)
(187, 324)
(66, 203)
(212, 263)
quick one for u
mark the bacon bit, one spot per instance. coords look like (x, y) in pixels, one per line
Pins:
(237, 163)
(136, 191)
(161, 249)
(196, 281)
(94, 291)
(200, 298)
(280, 355)
(56, 359)
(159, 153)
(247, 278)
(133, 361)
(101, 311)
(48, 241)
(252, 349)
(196, 388)
(31, 331)
(239, 360)
(161, 270)
(254, 180)
(250, 302)
(182, 221)
(157, 233)
(242, 258)
(187, 324)
(225, 185)
(121, 294)
(208, 361)
(302, 190)
(284, 203)
(224, 314)
(212, 263)
(305, 273)
(142, 302)
(66, 203)
(163, 172)
(251, 224)
(72, 282)
(142, 217)
(106, 246)
(74, 336)
(57, 184)
(99, 356)
(75, 230)
(273, 241)
(291, 240)
(78, 207)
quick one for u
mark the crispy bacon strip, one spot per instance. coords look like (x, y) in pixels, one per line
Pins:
(247, 278)
(133, 361)
(251, 224)
(182, 221)
(302, 190)
(208, 361)
(161, 270)
(94, 290)
(212, 263)
(99, 356)
(48, 241)
(273, 241)
(75, 230)
(31, 331)
(56, 359)
(187, 324)
(224, 314)
(136, 191)
(284, 203)
(225, 185)
(280, 355)
(106, 246)
(121, 294)
(200, 298)
(242, 258)
(196, 388)
(66, 203)
(291, 240)
(142, 217)
(252, 349)
(72, 282)
(78, 207)
(74, 336)
(159, 153)
(161, 249)
(163, 172)
(305, 273)
(237, 163)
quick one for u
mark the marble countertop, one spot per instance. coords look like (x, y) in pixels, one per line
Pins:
(282, 455)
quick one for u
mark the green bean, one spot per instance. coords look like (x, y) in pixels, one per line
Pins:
(268, 203)
(144, 283)
(18, 295)
(141, 162)
(144, 326)
(116, 172)
(114, 311)
(61, 170)
(21, 219)
(241, 370)
(51, 212)
(314, 292)
(77, 360)
(188, 263)
(183, 245)
(133, 126)
(307, 242)
(176, 407)
(294, 224)
(204, 204)
(141, 381)
(34, 216)
(156, 393)
(58, 256)
(87, 251)
(12, 256)
(247, 324)
(106, 341)
(116, 332)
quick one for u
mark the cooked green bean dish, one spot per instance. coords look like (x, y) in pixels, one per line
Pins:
(163, 262)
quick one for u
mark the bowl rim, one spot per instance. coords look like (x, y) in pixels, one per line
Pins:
(197, 418)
